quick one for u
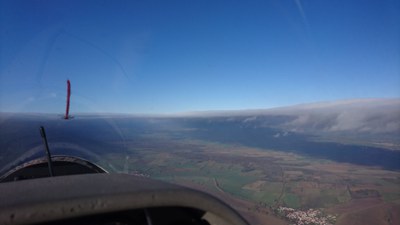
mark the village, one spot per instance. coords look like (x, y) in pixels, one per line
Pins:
(308, 217)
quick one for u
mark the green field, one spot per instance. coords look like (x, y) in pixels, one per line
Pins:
(267, 178)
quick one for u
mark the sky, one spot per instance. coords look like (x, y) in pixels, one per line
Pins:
(178, 56)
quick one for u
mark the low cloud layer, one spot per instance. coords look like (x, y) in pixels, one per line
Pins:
(358, 115)
(372, 116)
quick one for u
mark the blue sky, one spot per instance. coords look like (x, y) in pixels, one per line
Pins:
(175, 56)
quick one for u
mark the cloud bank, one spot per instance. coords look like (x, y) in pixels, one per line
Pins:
(355, 115)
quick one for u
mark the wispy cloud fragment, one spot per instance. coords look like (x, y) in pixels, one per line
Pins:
(301, 11)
